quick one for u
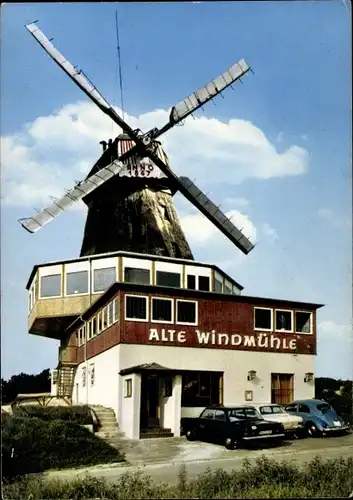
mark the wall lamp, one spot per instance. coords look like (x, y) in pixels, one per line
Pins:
(251, 374)
(309, 377)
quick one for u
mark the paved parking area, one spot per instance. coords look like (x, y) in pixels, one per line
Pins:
(174, 450)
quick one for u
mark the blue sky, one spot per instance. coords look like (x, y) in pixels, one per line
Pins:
(275, 152)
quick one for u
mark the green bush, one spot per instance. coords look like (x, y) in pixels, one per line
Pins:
(76, 414)
(263, 479)
(37, 445)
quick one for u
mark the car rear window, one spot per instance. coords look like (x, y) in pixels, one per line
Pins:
(266, 410)
(324, 407)
(278, 409)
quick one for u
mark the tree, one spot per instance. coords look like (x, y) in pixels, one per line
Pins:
(24, 384)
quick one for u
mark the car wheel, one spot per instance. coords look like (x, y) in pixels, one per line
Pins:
(190, 436)
(230, 443)
(312, 430)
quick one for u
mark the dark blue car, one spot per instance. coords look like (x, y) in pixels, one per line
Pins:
(319, 417)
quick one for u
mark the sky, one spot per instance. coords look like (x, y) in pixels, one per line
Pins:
(274, 152)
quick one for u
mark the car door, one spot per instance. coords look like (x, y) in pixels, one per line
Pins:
(219, 425)
(205, 424)
(304, 412)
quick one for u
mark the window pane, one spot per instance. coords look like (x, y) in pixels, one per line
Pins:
(104, 318)
(219, 415)
(161, 310)
(140, 276)
(103, 278)
(283, 320)
(208, 413)
(94, 326)
(302, 322)
(168, 279)
(263, 318)
(77, 282)
(266, 410)
(191, 282)
(186, 312)
(277, 409)
(136, 307)
(218, 286)
(204, 283)
(110, 313)
(116, 310)
(50, 286)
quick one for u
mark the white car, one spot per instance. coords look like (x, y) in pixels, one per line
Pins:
(292, 424)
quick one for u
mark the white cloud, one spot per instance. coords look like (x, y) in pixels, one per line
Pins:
(53, 151)
(269, 232)
(329, 215)
(200, 230)
(333, 331)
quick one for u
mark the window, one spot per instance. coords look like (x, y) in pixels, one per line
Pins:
(204, 283)
(218, 285)
(165, 278)
(278, 409)
(251, 413)
(103, 278)
(94, 326)
(236, 414)
(110, 313)
(266, 410)
(134, 275)
(162, 310)
(284, 320)
(83, 377)
(201, 389)
(167, 386)
(50, 286)
(303, 322)
(208, 413)
(228, 288)
(89, 330)
(77, 282)
(282, 388)
(116, 310)
(219, 415)
(104, 318)
(291, 408)
(99, 322)
(54, 376)
(303, 409)
(81, 335)
(263, 318)
(191, 282)
(186, 312)
(128, 388)
(91, 370)
(135, 307)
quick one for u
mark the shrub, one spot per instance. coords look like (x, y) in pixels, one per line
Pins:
(263, 479)
(38, 445)
(76, 414)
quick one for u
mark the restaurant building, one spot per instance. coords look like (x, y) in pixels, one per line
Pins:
(157, 338)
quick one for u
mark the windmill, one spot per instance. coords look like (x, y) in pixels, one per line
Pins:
(129, 189)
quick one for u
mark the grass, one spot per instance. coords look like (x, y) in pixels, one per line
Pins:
(30, 444)
(265, 478)
(75, 414)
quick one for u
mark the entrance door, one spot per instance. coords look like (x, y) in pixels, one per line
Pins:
(149, 401)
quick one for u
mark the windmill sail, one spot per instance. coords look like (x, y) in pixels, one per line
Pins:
(46, 215)
(195, 101)
(214, 214)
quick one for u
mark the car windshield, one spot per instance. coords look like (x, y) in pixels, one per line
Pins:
(278, 409)
(324, 407)
(244, 414)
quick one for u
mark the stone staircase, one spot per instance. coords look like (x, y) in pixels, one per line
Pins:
(155, 432)
(108, 428)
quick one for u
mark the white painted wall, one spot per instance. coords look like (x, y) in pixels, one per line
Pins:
(105, 390)
(129, 414)
(234, 364)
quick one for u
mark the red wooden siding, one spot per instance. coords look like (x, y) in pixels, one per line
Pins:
(221, 316)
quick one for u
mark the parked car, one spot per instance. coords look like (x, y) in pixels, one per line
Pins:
(319, 417)
(293, 424)
(231, 425)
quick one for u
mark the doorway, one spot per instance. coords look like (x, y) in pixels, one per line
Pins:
(150, 409)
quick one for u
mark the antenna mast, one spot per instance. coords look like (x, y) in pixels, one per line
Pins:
(119, 59)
